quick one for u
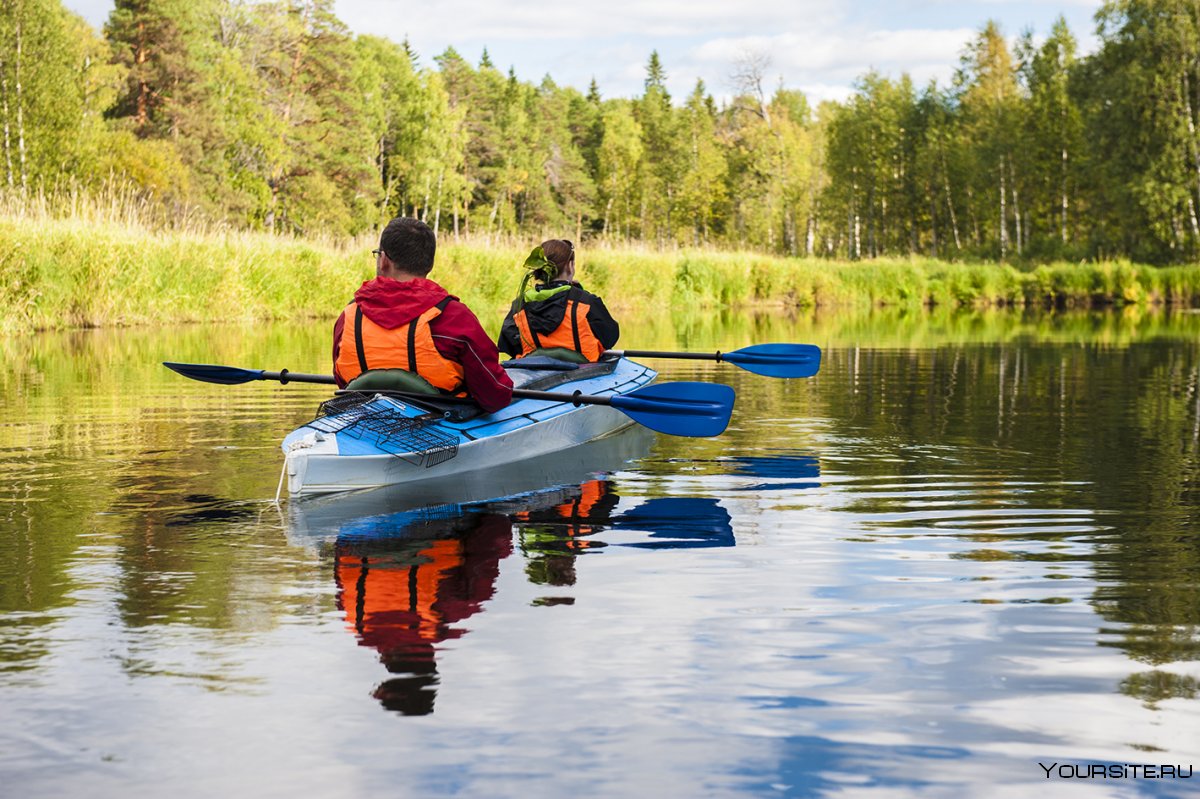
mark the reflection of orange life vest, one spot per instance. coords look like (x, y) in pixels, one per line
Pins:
(577, 512)
(393, 605)
(409, 347)
(574, 333)
(580, 511)
(580, 508)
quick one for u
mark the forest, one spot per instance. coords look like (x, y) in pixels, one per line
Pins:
(273, 116)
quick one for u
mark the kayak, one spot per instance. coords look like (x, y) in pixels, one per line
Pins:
(368, 441)
(403, 510)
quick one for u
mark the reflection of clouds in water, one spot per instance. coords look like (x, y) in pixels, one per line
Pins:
(1092, 726)
(869, 609)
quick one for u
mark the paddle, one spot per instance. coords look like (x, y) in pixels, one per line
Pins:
(678, 409)
(772, 360)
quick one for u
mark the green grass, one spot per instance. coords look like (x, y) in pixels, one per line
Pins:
(57, 274)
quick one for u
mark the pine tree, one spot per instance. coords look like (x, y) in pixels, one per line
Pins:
(991, 109)
(1055, 137)
(661, 155)
(702, 188)
(619, 160)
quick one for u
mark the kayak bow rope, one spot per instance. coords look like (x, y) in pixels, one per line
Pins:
(678, 409)
(771, 360)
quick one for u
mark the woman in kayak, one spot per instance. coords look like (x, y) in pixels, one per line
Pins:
(556, 316)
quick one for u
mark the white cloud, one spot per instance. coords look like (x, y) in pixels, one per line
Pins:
(827, 50)
(533, 20)
(825, 64)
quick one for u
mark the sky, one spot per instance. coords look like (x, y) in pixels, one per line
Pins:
(818, 46)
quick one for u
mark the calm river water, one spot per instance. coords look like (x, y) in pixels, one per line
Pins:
(963, 560)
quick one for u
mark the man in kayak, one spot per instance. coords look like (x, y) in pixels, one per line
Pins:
(556, 317)
(404, 332)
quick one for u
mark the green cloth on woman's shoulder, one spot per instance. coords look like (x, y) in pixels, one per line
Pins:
(534, 294)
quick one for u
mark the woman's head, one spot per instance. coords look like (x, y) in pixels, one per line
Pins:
(561, 253)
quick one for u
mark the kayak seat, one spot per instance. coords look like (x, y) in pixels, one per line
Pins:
(392, 380)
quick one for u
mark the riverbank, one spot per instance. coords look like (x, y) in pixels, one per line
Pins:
(58, 274)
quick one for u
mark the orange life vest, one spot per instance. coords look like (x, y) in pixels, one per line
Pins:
(574, 333)
(409, 347)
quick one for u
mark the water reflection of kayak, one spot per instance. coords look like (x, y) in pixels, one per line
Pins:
(404, 509)
(386, 440)
(414, 562)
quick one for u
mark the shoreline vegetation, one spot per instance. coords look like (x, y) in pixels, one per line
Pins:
(84, 272)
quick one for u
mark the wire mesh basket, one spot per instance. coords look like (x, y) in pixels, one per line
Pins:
(413, 439)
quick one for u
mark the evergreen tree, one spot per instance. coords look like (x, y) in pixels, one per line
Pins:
(991, 109)
(319, 170)
(1054, 140)
(587, 128)
(702, 187)
(619, 159)
(662, 158)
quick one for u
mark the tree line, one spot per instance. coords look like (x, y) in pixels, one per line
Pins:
(273, 116)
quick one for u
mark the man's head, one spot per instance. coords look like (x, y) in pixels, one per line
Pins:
(406, 249)
(561, 253)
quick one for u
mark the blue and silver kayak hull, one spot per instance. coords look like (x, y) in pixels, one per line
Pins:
(402, 442)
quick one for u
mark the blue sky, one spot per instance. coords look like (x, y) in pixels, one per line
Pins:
(818, 46)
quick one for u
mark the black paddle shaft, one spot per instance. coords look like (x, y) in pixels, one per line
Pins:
(576, 399)
(285, 376)
(682, 356)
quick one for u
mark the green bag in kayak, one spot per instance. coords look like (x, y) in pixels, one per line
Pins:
(392, 380)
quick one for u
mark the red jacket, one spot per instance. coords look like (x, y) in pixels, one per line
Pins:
(457, 334)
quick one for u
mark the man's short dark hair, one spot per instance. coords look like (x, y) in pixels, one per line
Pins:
(410, 244)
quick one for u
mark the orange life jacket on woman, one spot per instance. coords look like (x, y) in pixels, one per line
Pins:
(574, 333)
(367, 345)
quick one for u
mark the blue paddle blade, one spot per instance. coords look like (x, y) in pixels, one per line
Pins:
(777, 360)
(680, 409)
(210, 373)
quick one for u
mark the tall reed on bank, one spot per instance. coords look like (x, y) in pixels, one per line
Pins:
(87, 272)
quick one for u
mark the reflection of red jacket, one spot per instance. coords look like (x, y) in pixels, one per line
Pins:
(405, 605)
(456, 331)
